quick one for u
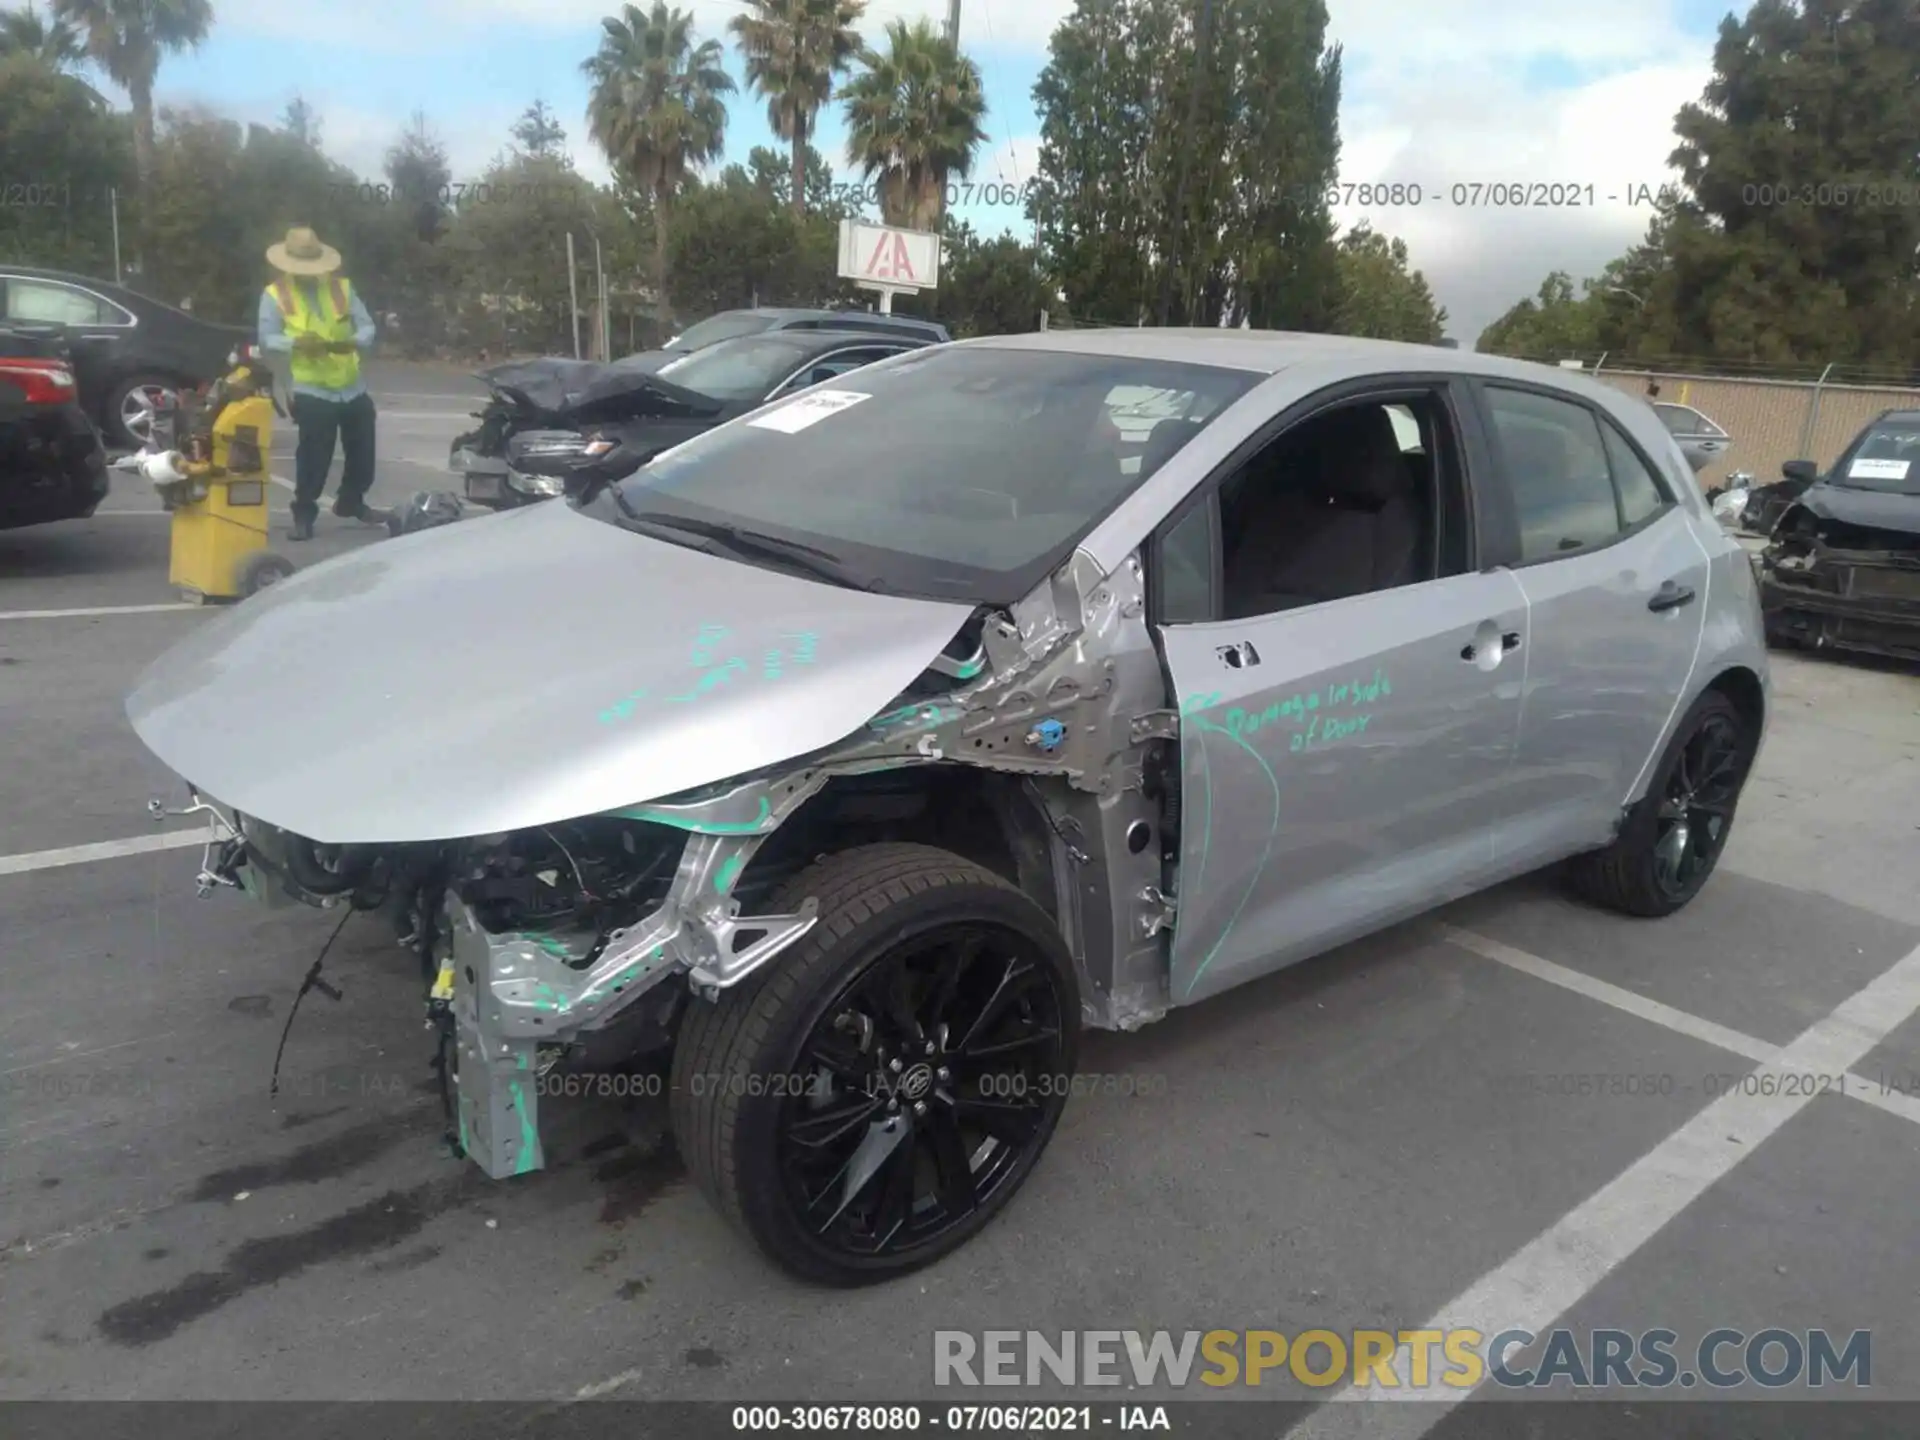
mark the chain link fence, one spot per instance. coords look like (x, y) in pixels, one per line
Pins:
(1770, 418)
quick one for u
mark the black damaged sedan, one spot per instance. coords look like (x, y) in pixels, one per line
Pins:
(1842, 567)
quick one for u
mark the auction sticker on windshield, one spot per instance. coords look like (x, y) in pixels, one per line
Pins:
(1878, 470)
(804, 410)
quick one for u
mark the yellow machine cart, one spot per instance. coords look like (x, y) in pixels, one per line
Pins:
(215, 485)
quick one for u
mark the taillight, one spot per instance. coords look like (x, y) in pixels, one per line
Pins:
(43, 382)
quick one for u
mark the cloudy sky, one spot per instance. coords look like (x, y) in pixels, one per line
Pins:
(1439, 94)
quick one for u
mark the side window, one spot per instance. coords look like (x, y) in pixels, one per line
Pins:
(1335, 506)
(40, 303)
(1556, 466)
(1641, 493)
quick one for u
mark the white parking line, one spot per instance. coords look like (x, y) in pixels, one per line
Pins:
(104, 850)
(1551, 1274)
(1606, 994)
(96, 610)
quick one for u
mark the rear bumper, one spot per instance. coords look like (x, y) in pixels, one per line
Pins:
(52, 467)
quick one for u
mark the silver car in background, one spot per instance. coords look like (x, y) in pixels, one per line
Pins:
(865, 750)
(1701, 440)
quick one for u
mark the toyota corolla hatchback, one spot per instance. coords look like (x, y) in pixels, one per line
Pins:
(862, 752)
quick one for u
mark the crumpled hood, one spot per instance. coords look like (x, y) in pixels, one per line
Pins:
(517, 670)
(558, 386)
(1870, 509)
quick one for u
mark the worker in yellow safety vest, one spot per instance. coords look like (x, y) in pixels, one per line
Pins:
(311, 315)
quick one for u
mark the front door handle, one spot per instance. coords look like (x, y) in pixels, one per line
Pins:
(1238, 657)
(1670, 596)
(1508, 641)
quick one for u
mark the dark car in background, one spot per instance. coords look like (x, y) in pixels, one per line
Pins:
(619, 417)
(1842, 567)
(773, 319)
(52, 464)
(129, 352)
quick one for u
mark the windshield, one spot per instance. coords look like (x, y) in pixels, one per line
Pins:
(724, 326)
(955, 473)
(744, 369)
(1883, 460)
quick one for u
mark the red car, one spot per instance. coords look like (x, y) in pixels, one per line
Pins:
(52, 463)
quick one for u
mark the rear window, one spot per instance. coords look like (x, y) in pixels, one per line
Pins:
(724, 326)
(741, 369)
(954, 473)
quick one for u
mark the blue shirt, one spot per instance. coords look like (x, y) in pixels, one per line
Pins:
(275, 340)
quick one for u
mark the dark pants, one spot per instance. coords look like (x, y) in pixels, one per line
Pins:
(319, 421)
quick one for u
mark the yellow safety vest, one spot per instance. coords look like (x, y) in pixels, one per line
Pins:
(333, 320)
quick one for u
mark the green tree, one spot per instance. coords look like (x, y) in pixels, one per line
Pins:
(539, 134)
(59, 142)
(735, 245)
(988, 286)
(793, 50)
(773, 173)
(302, 122)
(1381, 297)
(509, 252)
(54, 43)
(127, 39)
(1554, 324)
(1815, 99)
(656, 109)
(1144, 202)
(914, 117)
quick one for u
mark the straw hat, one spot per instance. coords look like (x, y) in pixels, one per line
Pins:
(301, 253)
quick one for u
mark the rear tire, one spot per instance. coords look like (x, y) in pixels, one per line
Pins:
(1673, 836)
(122, 420)
(766, 1148)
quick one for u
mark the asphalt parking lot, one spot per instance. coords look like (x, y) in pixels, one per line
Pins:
(1516, 1113)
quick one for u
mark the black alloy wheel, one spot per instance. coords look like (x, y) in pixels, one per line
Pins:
(874, 1096)
(1672, 838)
(1696, 806)
(933, 1075)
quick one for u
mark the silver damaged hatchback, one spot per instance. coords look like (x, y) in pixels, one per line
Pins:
(848, 760)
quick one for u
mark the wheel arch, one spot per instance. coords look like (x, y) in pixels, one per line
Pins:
(995, 820)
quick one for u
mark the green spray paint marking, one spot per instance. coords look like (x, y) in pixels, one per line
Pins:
(801, 648)
(1304, 708)
(922, 713)
(701, 827)
(970, 669)
(1273, 831)
(529, 1158)
(729, 872)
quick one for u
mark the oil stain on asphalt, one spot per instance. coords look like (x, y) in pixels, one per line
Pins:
(380, 1224)
(637, 1178)
(322, 1159)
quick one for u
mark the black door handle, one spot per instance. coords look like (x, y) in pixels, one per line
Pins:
(1670, 596)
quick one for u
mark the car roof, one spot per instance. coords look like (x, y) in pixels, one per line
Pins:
(1268, 352)
(800, 341)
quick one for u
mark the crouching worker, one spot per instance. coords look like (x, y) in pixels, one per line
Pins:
(311, 315)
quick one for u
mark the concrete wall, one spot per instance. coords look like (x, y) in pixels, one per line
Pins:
(1770, 421)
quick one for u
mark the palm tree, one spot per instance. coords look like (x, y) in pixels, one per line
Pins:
(55, 45)
(126, 38)
(913, 120)
(793, 49)
(656, 109)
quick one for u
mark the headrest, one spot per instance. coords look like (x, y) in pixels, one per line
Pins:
(1360, 457)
